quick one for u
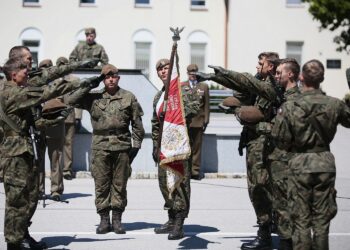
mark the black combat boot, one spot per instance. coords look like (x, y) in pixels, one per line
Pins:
(177, 232)
(286, 244)
(263, 241)
(33, 243)
(117, 222)
(105, 224)
(168, 226)
(14, 246)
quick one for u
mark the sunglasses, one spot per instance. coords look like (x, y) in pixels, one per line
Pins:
(113, 76)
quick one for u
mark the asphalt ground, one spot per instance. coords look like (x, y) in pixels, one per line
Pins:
(221, 217)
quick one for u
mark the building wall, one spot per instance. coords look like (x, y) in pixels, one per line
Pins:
(266, 25)
(117, 21)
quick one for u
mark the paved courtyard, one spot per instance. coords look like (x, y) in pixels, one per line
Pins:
(221, 217)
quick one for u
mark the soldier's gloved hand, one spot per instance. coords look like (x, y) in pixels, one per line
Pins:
(205, 125)
(155, 154)
(92, 82)
(66, 112)
(132, 154)
(77, 124)
(89, 63)
(219, 70)
(204, 76)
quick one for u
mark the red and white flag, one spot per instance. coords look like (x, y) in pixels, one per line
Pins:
(175, 146)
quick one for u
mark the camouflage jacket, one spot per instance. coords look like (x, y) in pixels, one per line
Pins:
(191, 108)
(276, 153)
(16, 103)
(265, 100)
(111, 116)
(46, 75)
(85, 51)
(305, 126)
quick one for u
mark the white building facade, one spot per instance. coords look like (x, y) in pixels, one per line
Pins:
(135, 33)
(286, 27)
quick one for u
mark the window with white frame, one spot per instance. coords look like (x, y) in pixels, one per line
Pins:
(31, 3)
(32, 38)
(294, 3)
(142, 3)
(143, 54)
(198, 51)
(87, 3)
(295, 50)
(198, 4)
(142, 57)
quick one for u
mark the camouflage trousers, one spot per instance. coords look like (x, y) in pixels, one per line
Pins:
(279, 173)
(258, 180)
(68, 149)
(21, 185)
(111, 171)
(180, 199)
(313, 206)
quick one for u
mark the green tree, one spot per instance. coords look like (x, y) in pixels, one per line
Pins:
(335, 16)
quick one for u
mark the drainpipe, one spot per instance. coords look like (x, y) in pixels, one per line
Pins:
(226, 32)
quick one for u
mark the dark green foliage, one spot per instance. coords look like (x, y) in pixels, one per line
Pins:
(333, 15)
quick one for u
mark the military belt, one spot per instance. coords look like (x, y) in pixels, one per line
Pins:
(317, 149)
(111, 132)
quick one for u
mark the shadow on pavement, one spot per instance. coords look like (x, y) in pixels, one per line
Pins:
(54, 241)
(139, 226)
(67, 196)
(194, 241)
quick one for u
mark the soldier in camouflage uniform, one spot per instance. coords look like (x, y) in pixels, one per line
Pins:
(17, 98)
(112, 110)
(179, 204)
(257, 120)
(40, 78)
(287, 74)
(305, 126)
(54, 141)
(89, 50)
(69, 128)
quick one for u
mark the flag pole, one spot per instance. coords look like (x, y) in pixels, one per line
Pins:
(175, 37)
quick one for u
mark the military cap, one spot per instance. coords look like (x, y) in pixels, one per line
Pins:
(45, 63)
(192, 68)
(90, 31)
(52, 106)
(161, 63)
(231, 101)
(250, 114)
(61, 61)
(109, 69)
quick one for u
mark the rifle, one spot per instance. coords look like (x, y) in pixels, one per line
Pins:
(175, 37)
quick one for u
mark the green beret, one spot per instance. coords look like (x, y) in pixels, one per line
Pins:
(161, 63)
(109, 69)
(61, 61)
(52, 106)
(45, 63)
(231, 101)
(192, 68)
(90, 31)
